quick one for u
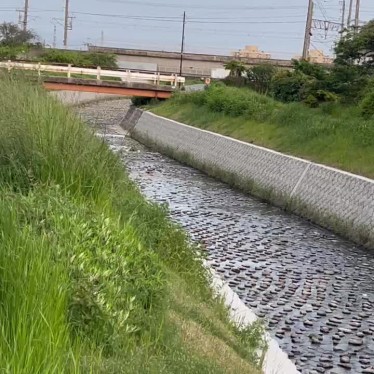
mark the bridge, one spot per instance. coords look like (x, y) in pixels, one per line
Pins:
(123, 83)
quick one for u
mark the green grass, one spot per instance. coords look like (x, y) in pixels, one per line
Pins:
(332, 134)
(93, 277)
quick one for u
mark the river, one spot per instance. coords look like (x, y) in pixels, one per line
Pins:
(314, 290)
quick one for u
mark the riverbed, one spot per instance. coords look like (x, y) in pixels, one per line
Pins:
(314, 290)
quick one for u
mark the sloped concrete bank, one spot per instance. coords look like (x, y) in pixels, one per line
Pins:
(339, 201)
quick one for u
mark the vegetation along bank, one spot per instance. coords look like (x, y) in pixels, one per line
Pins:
(93, 277)
(324, 114)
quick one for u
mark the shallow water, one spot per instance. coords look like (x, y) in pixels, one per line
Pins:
(314, 290)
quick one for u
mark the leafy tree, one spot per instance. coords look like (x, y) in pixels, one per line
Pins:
(347, 81)
(260, 77)
(11, 35)
(309, 69)
(357, 47)
(237, 68)
(288, 86)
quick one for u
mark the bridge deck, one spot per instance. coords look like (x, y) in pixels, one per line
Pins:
(108, 87)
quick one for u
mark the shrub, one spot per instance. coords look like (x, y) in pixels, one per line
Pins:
(233, 81)
(231, 101)
(104, 60)
(349, 82)
(315, 98)
(311, 101)
(288, 86)
(11, 53)
(367, 105)
(309, 69)
(260, 77)
(80, 59)
(114, 281)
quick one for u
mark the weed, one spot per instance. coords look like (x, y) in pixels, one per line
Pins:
(89, 269)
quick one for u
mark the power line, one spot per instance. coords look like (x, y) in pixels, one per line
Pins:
(322, 9)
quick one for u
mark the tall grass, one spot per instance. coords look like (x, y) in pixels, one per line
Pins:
(89, 270)
(332, 134)
(34, 334)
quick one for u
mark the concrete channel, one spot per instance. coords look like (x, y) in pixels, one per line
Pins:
(314, 290)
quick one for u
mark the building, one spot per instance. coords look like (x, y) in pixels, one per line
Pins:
(252, 51)
(316, 56)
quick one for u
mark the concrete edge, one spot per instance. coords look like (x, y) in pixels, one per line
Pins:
(307, 162)
(276, 360)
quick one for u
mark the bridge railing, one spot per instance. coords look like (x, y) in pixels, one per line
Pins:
(98, 73)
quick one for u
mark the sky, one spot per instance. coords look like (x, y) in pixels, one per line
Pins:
(213, 26)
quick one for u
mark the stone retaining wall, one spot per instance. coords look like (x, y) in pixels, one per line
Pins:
(337, 200)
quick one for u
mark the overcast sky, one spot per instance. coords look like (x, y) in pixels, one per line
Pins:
(217, 26)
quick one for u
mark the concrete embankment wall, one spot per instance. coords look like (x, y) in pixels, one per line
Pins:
(340, 201)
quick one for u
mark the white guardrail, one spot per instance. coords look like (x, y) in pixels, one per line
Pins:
(125, 76)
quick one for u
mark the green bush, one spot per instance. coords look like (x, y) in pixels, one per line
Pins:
(11, 53)
(80, 59)
(367, 105)
(230, 100)
(348, 82)
(260, 77)
(309, 69)
(311, 101)
(289, 86)
(114, 280)
(233, 81)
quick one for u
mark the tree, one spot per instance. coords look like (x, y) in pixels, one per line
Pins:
(237, 68)
(260, 77)
(11, 35)
(357, 47)
(310, 69)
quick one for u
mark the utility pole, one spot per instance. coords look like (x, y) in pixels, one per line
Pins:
(182, 47)
(102, 38)
(357, 17)
(54, 36)
(343, 19)
(66, 26)
(308, 30)
(349, 20)
(25, 15)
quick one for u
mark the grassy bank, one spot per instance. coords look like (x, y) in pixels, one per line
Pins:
(93, 277)
(332, 134)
